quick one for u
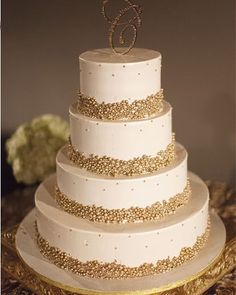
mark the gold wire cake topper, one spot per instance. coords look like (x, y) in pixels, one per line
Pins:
(133, 23)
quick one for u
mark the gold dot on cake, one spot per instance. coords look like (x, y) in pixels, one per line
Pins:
(86, 243)
(147, 64)
(86, 179)
(171, 240)
(99, 65)
(97, 123)
(123, 66)
(157, 184)
(158, 233)
(115, 248)
(104, 189)
(117, 183)
(195, 227)
(90, 73)
(113, 75)
(86, 129)
(125, 125)
(182, 224)
(141, 130)
(70, 229)
(129, 236)
(59, 236)
(132, 189)
(155, 70)
(151, 121)
(139, 74)
(99, 235)
(144, 180)
(146, 246)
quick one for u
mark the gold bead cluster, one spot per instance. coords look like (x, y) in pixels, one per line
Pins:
(115, 167)
(133, 214)
(138, 109)
(113, 270)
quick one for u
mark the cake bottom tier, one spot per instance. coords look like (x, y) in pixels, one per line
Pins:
(121, 250)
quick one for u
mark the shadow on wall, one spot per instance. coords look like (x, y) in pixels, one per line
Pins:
(218, 148)
(8, 182)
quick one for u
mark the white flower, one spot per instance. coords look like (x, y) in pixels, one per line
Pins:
(33, 147)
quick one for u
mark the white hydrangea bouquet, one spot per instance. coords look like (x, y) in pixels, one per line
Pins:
(33, 147)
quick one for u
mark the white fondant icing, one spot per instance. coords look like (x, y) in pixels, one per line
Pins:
(86, 240)
(121, 140)
(29, 252)
(123, 192)
(111, 78)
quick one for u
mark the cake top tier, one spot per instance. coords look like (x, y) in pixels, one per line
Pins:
(106, 55)
(111, 78)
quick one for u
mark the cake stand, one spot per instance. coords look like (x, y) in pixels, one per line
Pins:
(47, 272)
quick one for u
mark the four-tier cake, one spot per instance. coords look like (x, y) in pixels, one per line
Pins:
(122, 203)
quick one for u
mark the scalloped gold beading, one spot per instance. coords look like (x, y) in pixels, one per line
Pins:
(114, 270)
(133, 214)
(138, 109)
(115, 167)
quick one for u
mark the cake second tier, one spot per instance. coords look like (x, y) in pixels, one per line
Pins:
(123, 140)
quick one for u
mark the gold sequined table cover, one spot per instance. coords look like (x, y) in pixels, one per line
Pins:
(17, 279)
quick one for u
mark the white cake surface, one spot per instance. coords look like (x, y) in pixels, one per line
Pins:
(122, 140)
(121, 192)
(127, 139)
(130, 244)
(108, 77)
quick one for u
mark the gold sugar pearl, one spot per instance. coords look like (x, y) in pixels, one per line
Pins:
(115, 167)
(138, 109)
(133, 214)
(114, 270)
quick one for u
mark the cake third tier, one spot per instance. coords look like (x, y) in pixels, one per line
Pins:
(120, 199)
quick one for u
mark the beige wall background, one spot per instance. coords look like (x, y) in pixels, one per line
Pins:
(41, 41)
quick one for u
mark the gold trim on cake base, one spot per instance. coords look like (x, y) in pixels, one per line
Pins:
(212, 263)
(15, 267)
(114, 270)
(134, 214)
(115, 167)
(20, 273)
(123, 110)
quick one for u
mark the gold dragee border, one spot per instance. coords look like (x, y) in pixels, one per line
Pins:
(115, 167)
(113, 270)
(133, 214)
(138, 109)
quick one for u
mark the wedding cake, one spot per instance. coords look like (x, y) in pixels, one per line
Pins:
(122, 203)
